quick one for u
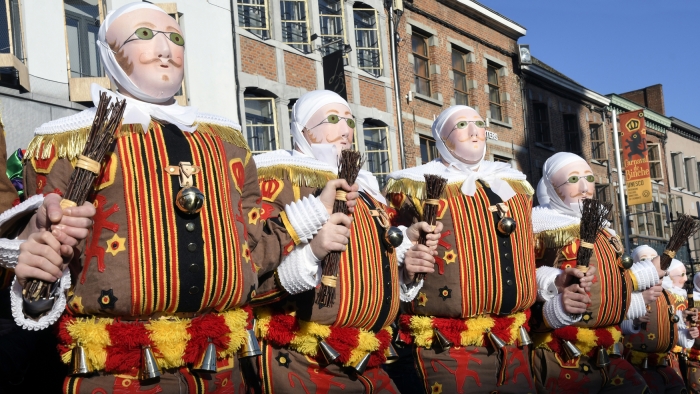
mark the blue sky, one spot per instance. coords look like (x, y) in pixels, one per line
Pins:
(615, 46)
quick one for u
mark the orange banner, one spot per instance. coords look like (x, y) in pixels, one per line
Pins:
(633, 137)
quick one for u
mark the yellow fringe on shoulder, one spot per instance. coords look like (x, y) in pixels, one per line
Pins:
(297, 175)
(417, 188)
(70, 144)
(92, 335)
(560, 237)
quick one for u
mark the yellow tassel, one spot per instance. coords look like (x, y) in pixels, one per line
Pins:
(297, 175)
(228, 134)
(263, 317)
(515, 327)
(170, 338)
(93, 336)
(560, 237)
(309, 335)
(236, 321)
(585, 340)
(477, 326)
(423, 327)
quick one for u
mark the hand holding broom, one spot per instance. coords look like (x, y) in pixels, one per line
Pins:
(434, 187)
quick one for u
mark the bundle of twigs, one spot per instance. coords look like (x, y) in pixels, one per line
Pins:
(685, 227)
(434, 187)
(348, 169)
(594, 214)
(107, 120)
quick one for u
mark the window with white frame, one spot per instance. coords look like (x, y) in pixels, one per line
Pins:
(494, 80)
(428, 149)
(295, 24)
(654, 154)
(261, 122)
(83, 18)
(649, 219)
(459, 71)
(369, 57)
(331, 16)
(11, 29)
(254, 16)
(678, 167)
(691, 176)
(377, 150)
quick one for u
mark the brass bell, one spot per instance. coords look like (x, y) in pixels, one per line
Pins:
(442, 341)
(497, 342)
(251, 347)
(391, 355)
(617, 350)
(602, 360)
(626, 261)
(571, 350)
(361, 365)
(328, 352)
(79, 361)
(189, 200)
(663, 362)
(645, 363)
(393, 236)
(675, 318)
(149, 367)
(207, 360)
(524, 337)
(397, 336)
(506, 225)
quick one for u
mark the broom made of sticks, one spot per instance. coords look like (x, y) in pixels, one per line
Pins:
(685, 227)
(594, 214)
(107, 119)
(348, 169)
(434, 187)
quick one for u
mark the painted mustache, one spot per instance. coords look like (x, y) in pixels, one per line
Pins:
(469, 137)
(157, 59)
(336, 139)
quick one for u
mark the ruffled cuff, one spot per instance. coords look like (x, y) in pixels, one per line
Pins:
(684, 339)
(50, 317)
(644, 275)
(9, 252)
(404, 247)
(304, 218)
(546, 289)
(28, 206)
(637, 307)
(300, 270)
(408, 291)
(555, 315)
(628, 328)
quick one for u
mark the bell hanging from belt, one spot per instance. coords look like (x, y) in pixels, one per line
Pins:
(190, 200)
(571, 350)
(393, 236)
(251, 347)
(397, 336)
(442, 341)
(602, 360)
(497, 342)
(206, 363)
(645, 363)
(524, 337)
(361, 365)
(663, 362)
(391, 355)
(506, 225)
(79, 361)
(149, 367)
(328, 352)
(617, 350)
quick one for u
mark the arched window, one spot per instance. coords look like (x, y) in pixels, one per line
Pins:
(369, 57)
(260, 121)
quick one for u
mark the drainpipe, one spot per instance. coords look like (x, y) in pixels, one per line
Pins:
(397, 94)
(235, 67)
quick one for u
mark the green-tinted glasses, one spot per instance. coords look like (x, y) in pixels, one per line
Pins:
(576, 178)
(334, 119)
(462, 124)
(144, 33)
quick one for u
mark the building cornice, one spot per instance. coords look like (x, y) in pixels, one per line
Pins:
(578, 90)
(488, 17)
(653, 119)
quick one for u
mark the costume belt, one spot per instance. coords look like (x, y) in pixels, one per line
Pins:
(473, 331)
(587, 340)
(353, 344)
(637, 358)
(114, 345)
(694, 354)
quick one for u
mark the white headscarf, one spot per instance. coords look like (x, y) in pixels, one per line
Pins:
(551, 166)
(696, 283)
(643, 249)
(491, 172)
(138, 112)
(305, 107)
(667, 283)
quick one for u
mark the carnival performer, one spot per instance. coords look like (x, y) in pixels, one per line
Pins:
(650, 339)
(341, 347)
(693, 372)
(468, 320)
(158, 299)
(573, 333)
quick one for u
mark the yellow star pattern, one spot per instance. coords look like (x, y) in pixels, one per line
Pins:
(436, 388)
(450, 256)
(422, 299)
(253, 216)
(116, 245)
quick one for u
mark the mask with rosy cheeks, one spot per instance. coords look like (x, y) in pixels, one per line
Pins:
(149, 47)
(465, 136)
(678, 276)
(571, 184)
(321, 130)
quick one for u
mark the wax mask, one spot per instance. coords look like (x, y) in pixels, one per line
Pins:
(331, 124)
(464, 135)
(149, 47)
(648, 256)
(574, 182)
(678, 276)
